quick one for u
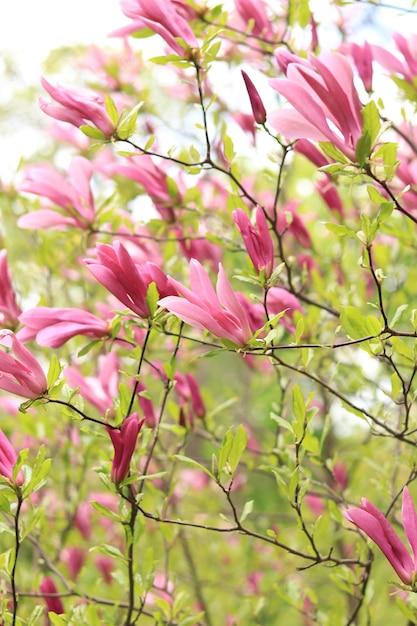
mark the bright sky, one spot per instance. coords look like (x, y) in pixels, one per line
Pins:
(32, 29)
(29, 31)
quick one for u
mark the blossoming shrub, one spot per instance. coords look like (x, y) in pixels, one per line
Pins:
(208, 307)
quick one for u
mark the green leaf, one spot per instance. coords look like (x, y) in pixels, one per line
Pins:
(371, 122)
(93, 133)
(127, 123)
(54, 371)
(186, 459)
(152, 297)
(228, 148)
(57, 620)
(340, 230)
(299, 411)
(239, 443)
(225, 448)
(352, 322)
(111, 109)
(332, 152)
(247, 509)
(363, 148)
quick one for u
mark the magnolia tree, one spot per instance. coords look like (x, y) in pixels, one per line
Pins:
(209, 320)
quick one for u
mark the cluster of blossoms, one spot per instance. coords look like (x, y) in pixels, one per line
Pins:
(155, 242)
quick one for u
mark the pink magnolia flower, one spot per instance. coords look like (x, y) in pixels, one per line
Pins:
(74, 558)
(373, 523)
(362, 57)
(53, 327)
(116, 270)
(73, 195)
(257, 240)
(9, 309)
(53, 604)
(325, 104)
(146, 405)
(8, 459)
(161, 16)
(99, 390)
(77, 107)
(197, 246)
(289, 220)
(279, 299)
(23, 375)
(258, 109)
(406, 67)
(124, 443)
(218, 311)
(105, 566)
(152, 177)
(255, 11)
(189, 396)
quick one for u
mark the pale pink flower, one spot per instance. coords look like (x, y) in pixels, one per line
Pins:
(72, 194)
(152, 177)
(406, 67)
(8, 459)
(23, 375)
(374, 524)
(254, 11)
(99, 390)
(53, 327)
(77, 106)
(257, 240)
(218, 311)
(9, 309)
(325, 104)
(362, 57)
(115, 269)
(164, 18)
(64, 133)
(124, 443)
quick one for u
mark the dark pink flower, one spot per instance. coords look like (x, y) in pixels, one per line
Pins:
(278, 300)
(9, 309)
(257, 240)
(258, 109)
(124, 443)
(325, 105)
(77, 107)
(22, 375)
(374, 524)
(218, 311)
(53, 327)
(8, 459)
(49, 590)
(115, 269)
